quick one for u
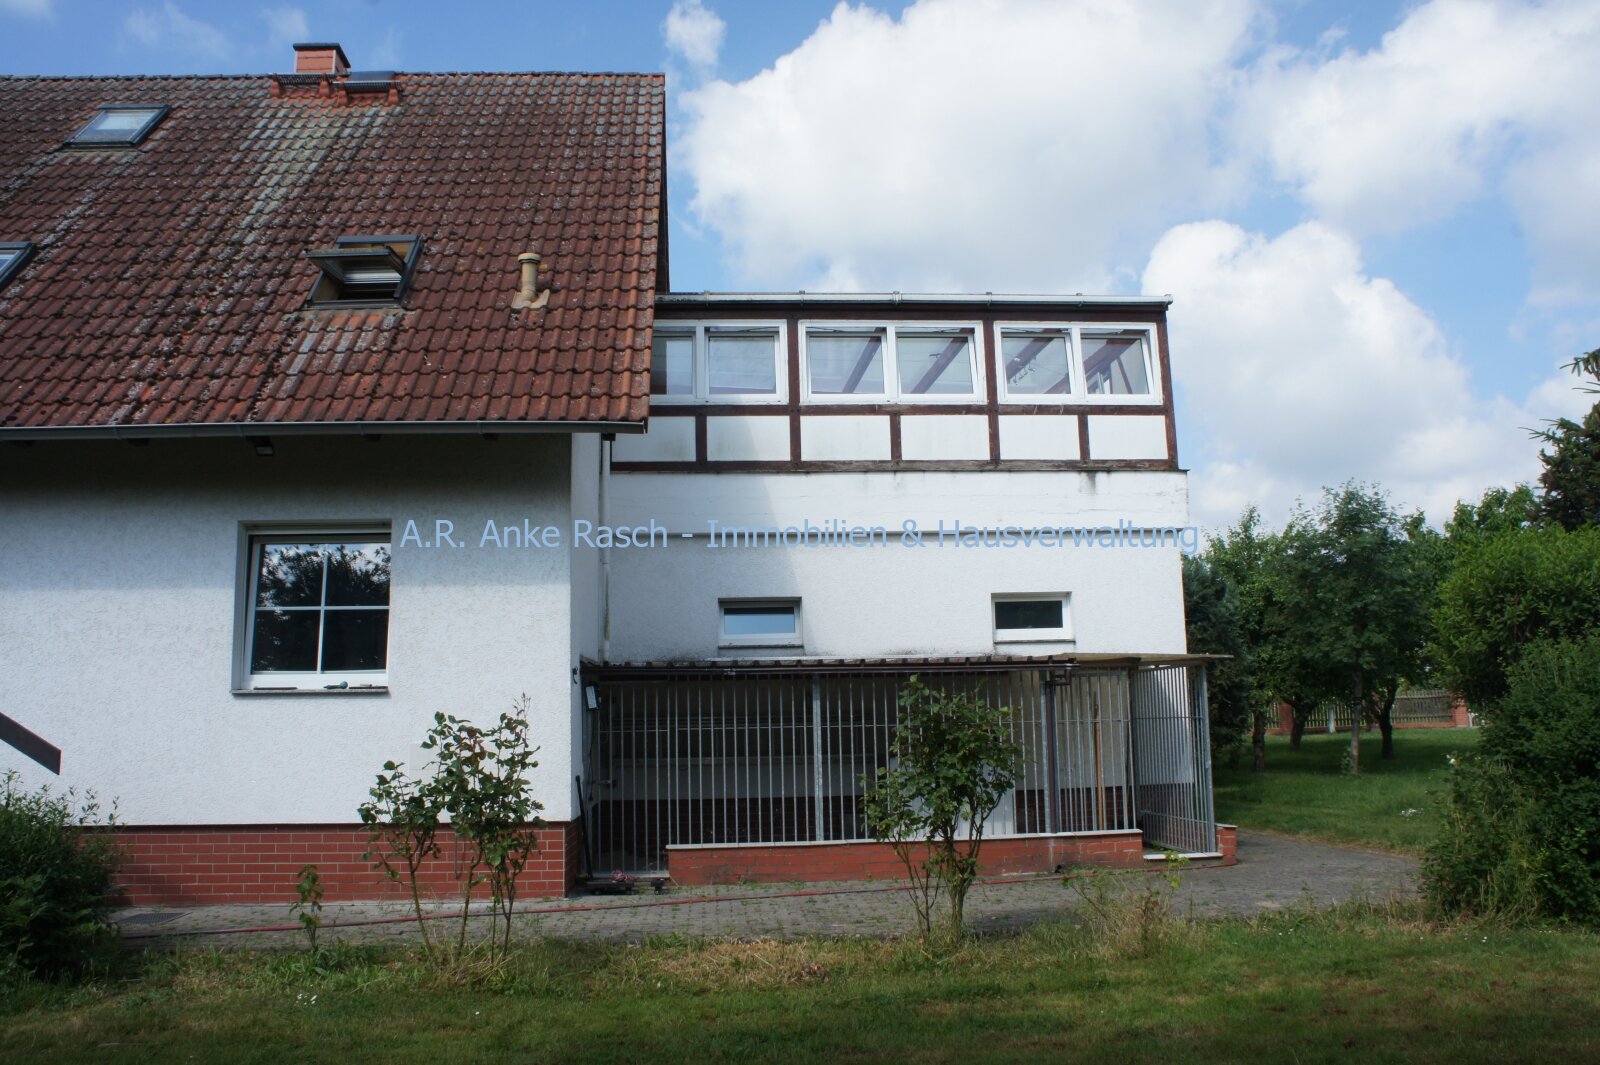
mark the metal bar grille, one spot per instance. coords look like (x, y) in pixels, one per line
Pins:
(1172, 758)
(780, 757)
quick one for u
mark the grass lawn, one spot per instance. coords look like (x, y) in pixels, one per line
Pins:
(1288, 987)
(1307, 792)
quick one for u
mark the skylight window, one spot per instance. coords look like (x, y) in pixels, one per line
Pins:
(12, 258)
(364, 270)
(119, 126)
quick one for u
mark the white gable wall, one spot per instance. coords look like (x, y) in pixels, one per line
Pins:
(119, 573)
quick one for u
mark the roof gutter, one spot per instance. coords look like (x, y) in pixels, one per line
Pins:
(982, 299)
(245, 430)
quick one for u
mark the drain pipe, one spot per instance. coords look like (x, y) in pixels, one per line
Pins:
(603, 520)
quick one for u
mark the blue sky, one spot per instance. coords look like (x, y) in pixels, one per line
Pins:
(1374, 217)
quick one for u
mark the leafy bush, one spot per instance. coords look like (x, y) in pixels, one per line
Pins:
(952, 761)
(478, 779)
(56, 881)
(1508, 590)
(1522, 832)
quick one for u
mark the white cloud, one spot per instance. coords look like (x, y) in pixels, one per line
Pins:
(694, 32)
(286, 26)
(984, 145)
(1464, 98)
(29, 8)
(1300, 370)
(168, 27)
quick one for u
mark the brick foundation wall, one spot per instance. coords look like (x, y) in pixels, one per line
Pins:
(806, 862)
(205, 865)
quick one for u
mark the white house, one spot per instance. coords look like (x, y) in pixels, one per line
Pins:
(333, 399)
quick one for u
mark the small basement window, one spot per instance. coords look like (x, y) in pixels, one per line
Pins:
(760, 623)
(1031, 617)
(13, 257)
(318, 611)
(119, 126)
(359, 271)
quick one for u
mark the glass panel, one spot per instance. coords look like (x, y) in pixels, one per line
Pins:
(934, 363)
(1115, 364)
(758, 621)
(355, 639)
(845, 363)
(290, 575)
(1027, 614)
(6, 257)
(672, 364)
(741, 364)
(1036, 364)
(120, 121)
(285, 641)
(358, 574)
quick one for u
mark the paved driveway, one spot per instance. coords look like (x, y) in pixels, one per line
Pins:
(1273, 873)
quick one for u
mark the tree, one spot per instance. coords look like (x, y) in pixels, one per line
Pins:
(1355, 585)
(1241, 559)
(1211, 614)
(952, 761)
(1500, 509)
(1571, 477)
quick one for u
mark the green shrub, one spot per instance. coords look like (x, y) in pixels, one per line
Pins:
(1522, 832)
(56, 881)
(1488, 855)
(1509, 590)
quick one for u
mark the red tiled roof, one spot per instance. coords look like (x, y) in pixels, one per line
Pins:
(170, 280)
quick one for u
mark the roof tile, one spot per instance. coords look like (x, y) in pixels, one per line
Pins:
(170, 281)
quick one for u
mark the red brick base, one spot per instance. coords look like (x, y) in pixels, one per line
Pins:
(804, 862)
(809, 862)
(195, 866)
(1228, 844)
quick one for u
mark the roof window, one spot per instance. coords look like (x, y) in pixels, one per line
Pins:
(12, 258)
(364, 270)
(119, 126)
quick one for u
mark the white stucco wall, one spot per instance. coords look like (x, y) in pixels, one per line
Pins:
(897, 600)
(119, 596)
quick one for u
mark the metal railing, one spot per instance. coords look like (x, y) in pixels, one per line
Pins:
(780, 757)
(1415, 706)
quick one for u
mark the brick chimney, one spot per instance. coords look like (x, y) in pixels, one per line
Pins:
(319, 58)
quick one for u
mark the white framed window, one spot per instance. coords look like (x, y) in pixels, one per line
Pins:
(1077, 362)
(316, 609)
(718, 362)
(759, 623)
(898, 362)
(1024, 617)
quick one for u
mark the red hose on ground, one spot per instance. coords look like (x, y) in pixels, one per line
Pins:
(693, 901)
